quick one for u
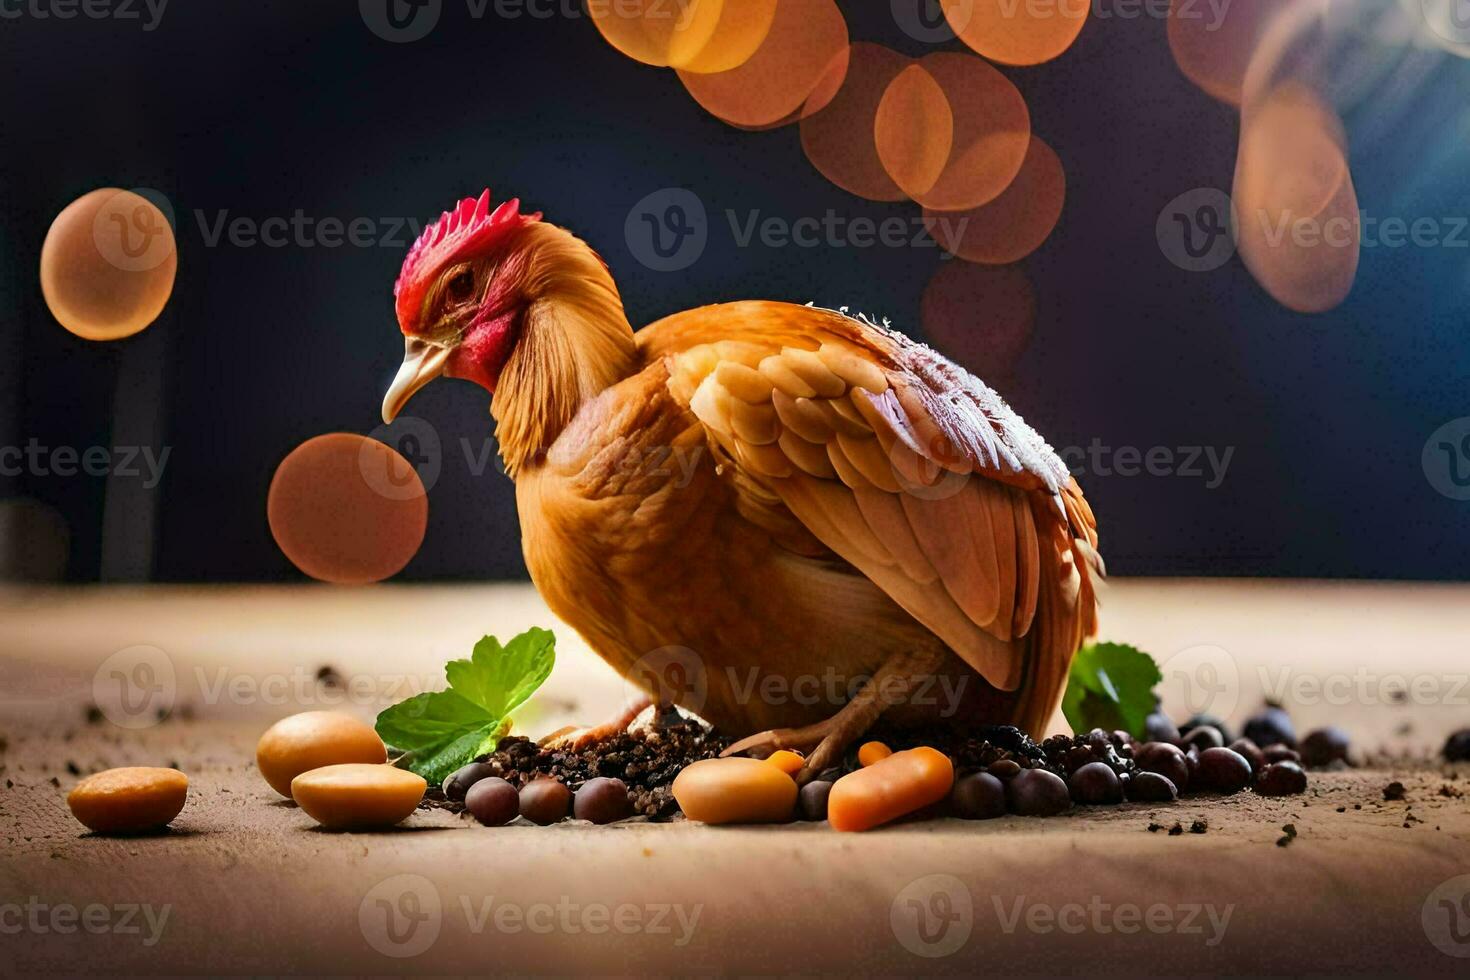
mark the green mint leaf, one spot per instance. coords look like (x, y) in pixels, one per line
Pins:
(439, 731)
(1111, 687)
(500, 678)
(428, 720)
(436, 762)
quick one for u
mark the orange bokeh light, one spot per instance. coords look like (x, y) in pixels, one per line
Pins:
(657, 32)
(1212, 49)
(981, 316)
(347, 509)
(838, 140)
(1294, 146)
(1013, 225)
(992, 132)
(913, 130)
(802, 54)
(742, 28)
(1299, 228)
(108, 264)
(1017, 32)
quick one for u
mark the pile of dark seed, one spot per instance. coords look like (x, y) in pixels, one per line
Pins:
(977, 748)
(1093, 768)
(646, 760)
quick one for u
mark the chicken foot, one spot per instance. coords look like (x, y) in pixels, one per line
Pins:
(825, 741)
(571, 737)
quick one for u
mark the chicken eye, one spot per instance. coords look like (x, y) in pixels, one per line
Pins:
(461, 286)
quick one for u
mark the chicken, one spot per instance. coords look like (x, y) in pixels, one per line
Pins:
(825, 520)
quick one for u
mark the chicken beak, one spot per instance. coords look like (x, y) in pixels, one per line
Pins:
(422, 363)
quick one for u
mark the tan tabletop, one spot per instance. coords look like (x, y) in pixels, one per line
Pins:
(244, 884)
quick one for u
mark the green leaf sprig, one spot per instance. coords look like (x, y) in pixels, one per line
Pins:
(439, 731)
(1111, 687)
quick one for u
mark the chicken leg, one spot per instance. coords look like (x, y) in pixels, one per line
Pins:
(666, 715)
(826, 740)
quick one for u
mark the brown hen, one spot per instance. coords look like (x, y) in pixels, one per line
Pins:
(797, 518)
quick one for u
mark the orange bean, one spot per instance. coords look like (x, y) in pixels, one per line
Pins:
(735, 790)
(787, 761)
(871, 752)
(129, 800)
(890, 788)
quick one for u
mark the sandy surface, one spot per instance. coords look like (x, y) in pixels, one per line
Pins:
(250, 886)
(245, 884)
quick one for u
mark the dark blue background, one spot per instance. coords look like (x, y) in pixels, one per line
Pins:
(267, 107)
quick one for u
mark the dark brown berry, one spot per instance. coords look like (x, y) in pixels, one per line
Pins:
(1282, 779)
(1158, 728)
(545, 801)
(458, 783)
(1166, 760)
(1200, 721)
(1004, 768)
(492, 801)
(1222, 771)
(602, 800)
(1271, 726)
(1037, 793)
(1457, 746)
(978, 796)
(812, 800)
(1095, 784)
(1280, 753)
(1205, 737)
(1324, 746)
(1150, 787)
(1251, 752)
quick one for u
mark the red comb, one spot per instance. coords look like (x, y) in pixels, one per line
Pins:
(471, 227)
